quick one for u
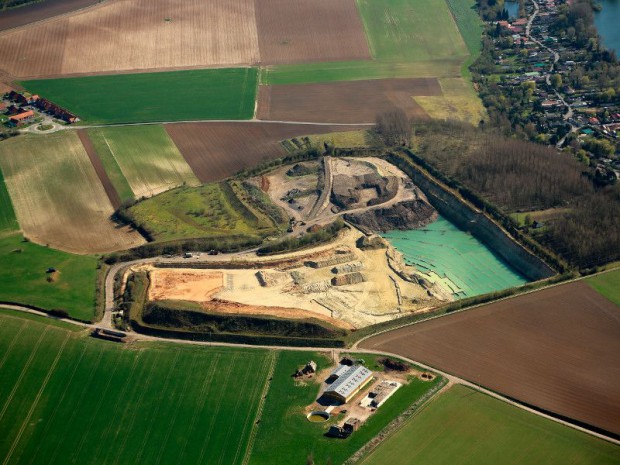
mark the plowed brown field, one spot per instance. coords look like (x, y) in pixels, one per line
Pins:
(344, 102)
(557, 349)
(216, 151)
(307, 31)
(39, 11)
(135, 34)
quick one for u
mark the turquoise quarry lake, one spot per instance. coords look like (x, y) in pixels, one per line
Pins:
(464, 263)
(608, 24)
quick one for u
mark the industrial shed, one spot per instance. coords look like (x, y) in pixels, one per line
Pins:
(348, 383)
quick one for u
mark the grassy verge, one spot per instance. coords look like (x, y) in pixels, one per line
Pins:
(466, 427)
(319, 236)
(286, 436)
(23, 278)
(227, 93)
(607, 284)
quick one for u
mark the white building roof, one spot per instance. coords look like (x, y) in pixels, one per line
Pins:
(351, 380)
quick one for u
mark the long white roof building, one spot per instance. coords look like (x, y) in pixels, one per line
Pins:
(349, 382)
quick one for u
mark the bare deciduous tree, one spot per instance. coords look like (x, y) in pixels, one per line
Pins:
(394, 127)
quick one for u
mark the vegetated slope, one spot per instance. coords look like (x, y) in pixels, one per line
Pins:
(226, 93)
(466, 427)
(557, 349)
(216, 151)
(8, 222)
(343, 102)
(39, 11)
(24, 278)
(286, 436)
(608, 285)
(522, 176)
(58, 198)
(223, 210)
(318, 30)
(402, 30)
(114, 404)
(146, 156)
(132, 35)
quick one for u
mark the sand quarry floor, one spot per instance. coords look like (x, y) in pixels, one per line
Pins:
(299, 285)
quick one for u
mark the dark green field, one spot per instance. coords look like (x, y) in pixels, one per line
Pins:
(8, 222)
(23, 277)
(286, 437)
(207, 94)
(469, 428)
(68, 398)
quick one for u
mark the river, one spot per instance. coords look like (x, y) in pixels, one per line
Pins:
(608, 24)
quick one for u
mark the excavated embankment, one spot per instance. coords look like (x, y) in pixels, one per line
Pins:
(410, 214)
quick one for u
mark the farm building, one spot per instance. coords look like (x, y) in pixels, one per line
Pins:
(337, 372)
(22, 117)
(348, 383)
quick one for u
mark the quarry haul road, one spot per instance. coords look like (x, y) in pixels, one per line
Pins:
(451, 378)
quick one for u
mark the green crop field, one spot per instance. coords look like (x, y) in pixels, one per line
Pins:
(286, 436)
(469, 23)
(213, 209)
(227, 93)
(148, 159)
(71, 399)
(465, 427)
(406, 30)
(23, 277)
(117, 178)
(607, 284)
(8, 222)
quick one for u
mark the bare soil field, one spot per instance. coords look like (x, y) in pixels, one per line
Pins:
(557, 349)
(344, 102)
(58, 197)
(115, 199)
(311, 31)
(40, 11)
(216, 151)
(135, 34)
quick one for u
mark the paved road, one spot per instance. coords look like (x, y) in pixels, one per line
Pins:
(568, 115)
(451, 378)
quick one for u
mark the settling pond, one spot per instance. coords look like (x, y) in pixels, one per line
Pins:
(446, 253)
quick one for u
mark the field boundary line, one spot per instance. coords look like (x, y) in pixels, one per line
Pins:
(171, 424)
(13, 341)
(496, 395)
(23, 372)
(101, 394)
(217, 408)
(50, 371)
(59, 403)
(483, 304)
(233, 417)
(259, 411)
(398, 423)
(204, 389)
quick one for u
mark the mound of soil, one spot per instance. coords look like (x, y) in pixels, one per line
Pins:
(347, 190)
(410, 214)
